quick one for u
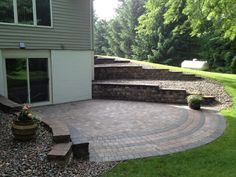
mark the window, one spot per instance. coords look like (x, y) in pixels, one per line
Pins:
(43, 12)
(27, 12)
(6, 11)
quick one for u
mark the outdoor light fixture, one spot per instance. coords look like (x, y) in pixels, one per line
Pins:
(22, 45)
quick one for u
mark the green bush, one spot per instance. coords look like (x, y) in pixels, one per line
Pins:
(194, 101)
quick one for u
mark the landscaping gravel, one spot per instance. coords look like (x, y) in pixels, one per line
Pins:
(29, 159)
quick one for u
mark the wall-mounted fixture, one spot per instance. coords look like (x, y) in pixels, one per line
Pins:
(22, 45)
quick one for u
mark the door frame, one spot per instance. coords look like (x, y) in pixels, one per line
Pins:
(20, 54)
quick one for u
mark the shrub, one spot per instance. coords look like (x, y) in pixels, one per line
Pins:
(194, 101)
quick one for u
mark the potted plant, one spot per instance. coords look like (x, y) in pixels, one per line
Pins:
(24, 126)
(194, 101)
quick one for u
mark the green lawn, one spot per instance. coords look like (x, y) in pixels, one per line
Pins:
(217, 159)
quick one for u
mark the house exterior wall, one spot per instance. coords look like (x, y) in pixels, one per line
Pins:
(71, 75)
(71, 30)
(2, 85)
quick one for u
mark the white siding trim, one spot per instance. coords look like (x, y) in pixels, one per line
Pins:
(51, 14)
(91, 25)
(2, 85)
(15, 12)
(34, 12)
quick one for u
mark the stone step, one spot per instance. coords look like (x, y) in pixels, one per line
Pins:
(61, 153)
(138, 92)
(101, 60)
(80, 144)
(131, 71)
(122, 61)
(80, 149)
(208, 100)
(117, 65)
(104, 61)
(60, 131)
(117, 72)
(7, 105)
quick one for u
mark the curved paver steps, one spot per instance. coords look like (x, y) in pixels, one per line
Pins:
(121, 130)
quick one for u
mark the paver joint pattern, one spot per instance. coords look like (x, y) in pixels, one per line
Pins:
(122, 130)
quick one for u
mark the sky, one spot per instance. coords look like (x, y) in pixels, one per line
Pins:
(105, 9)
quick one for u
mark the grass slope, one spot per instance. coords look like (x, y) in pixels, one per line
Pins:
(217, 159)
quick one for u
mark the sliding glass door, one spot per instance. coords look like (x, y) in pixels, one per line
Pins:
(27, 80)
(17, 86)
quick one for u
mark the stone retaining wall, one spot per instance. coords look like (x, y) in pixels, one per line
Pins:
(137, 72)
(133, 92)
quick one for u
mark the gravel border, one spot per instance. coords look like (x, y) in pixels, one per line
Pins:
(29, 159)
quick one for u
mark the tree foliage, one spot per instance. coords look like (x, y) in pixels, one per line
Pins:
(169, 31)
(122, 29)
(206, 15)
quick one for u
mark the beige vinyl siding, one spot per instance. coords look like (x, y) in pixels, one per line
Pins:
(71, 29)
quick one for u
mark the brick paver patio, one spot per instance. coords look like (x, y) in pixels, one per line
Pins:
(121, 130)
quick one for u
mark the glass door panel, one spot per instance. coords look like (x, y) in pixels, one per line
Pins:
(38, 79)
(17, 87)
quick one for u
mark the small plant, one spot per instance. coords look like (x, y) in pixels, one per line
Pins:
(194, 101)
(25, 114)
(25, 125)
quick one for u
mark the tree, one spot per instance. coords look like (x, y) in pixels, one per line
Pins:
(100, 37)
(122, 28)
(164, 46)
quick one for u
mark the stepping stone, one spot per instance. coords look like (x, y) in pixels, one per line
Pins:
(61, 153)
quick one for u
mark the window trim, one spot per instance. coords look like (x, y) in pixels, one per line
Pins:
(16, 23)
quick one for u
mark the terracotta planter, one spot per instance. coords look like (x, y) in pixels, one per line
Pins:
(24, 131)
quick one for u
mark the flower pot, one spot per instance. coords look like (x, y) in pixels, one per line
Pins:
(24, 131)
(194, 106)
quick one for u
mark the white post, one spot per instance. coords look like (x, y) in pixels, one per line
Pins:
(2, 85)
